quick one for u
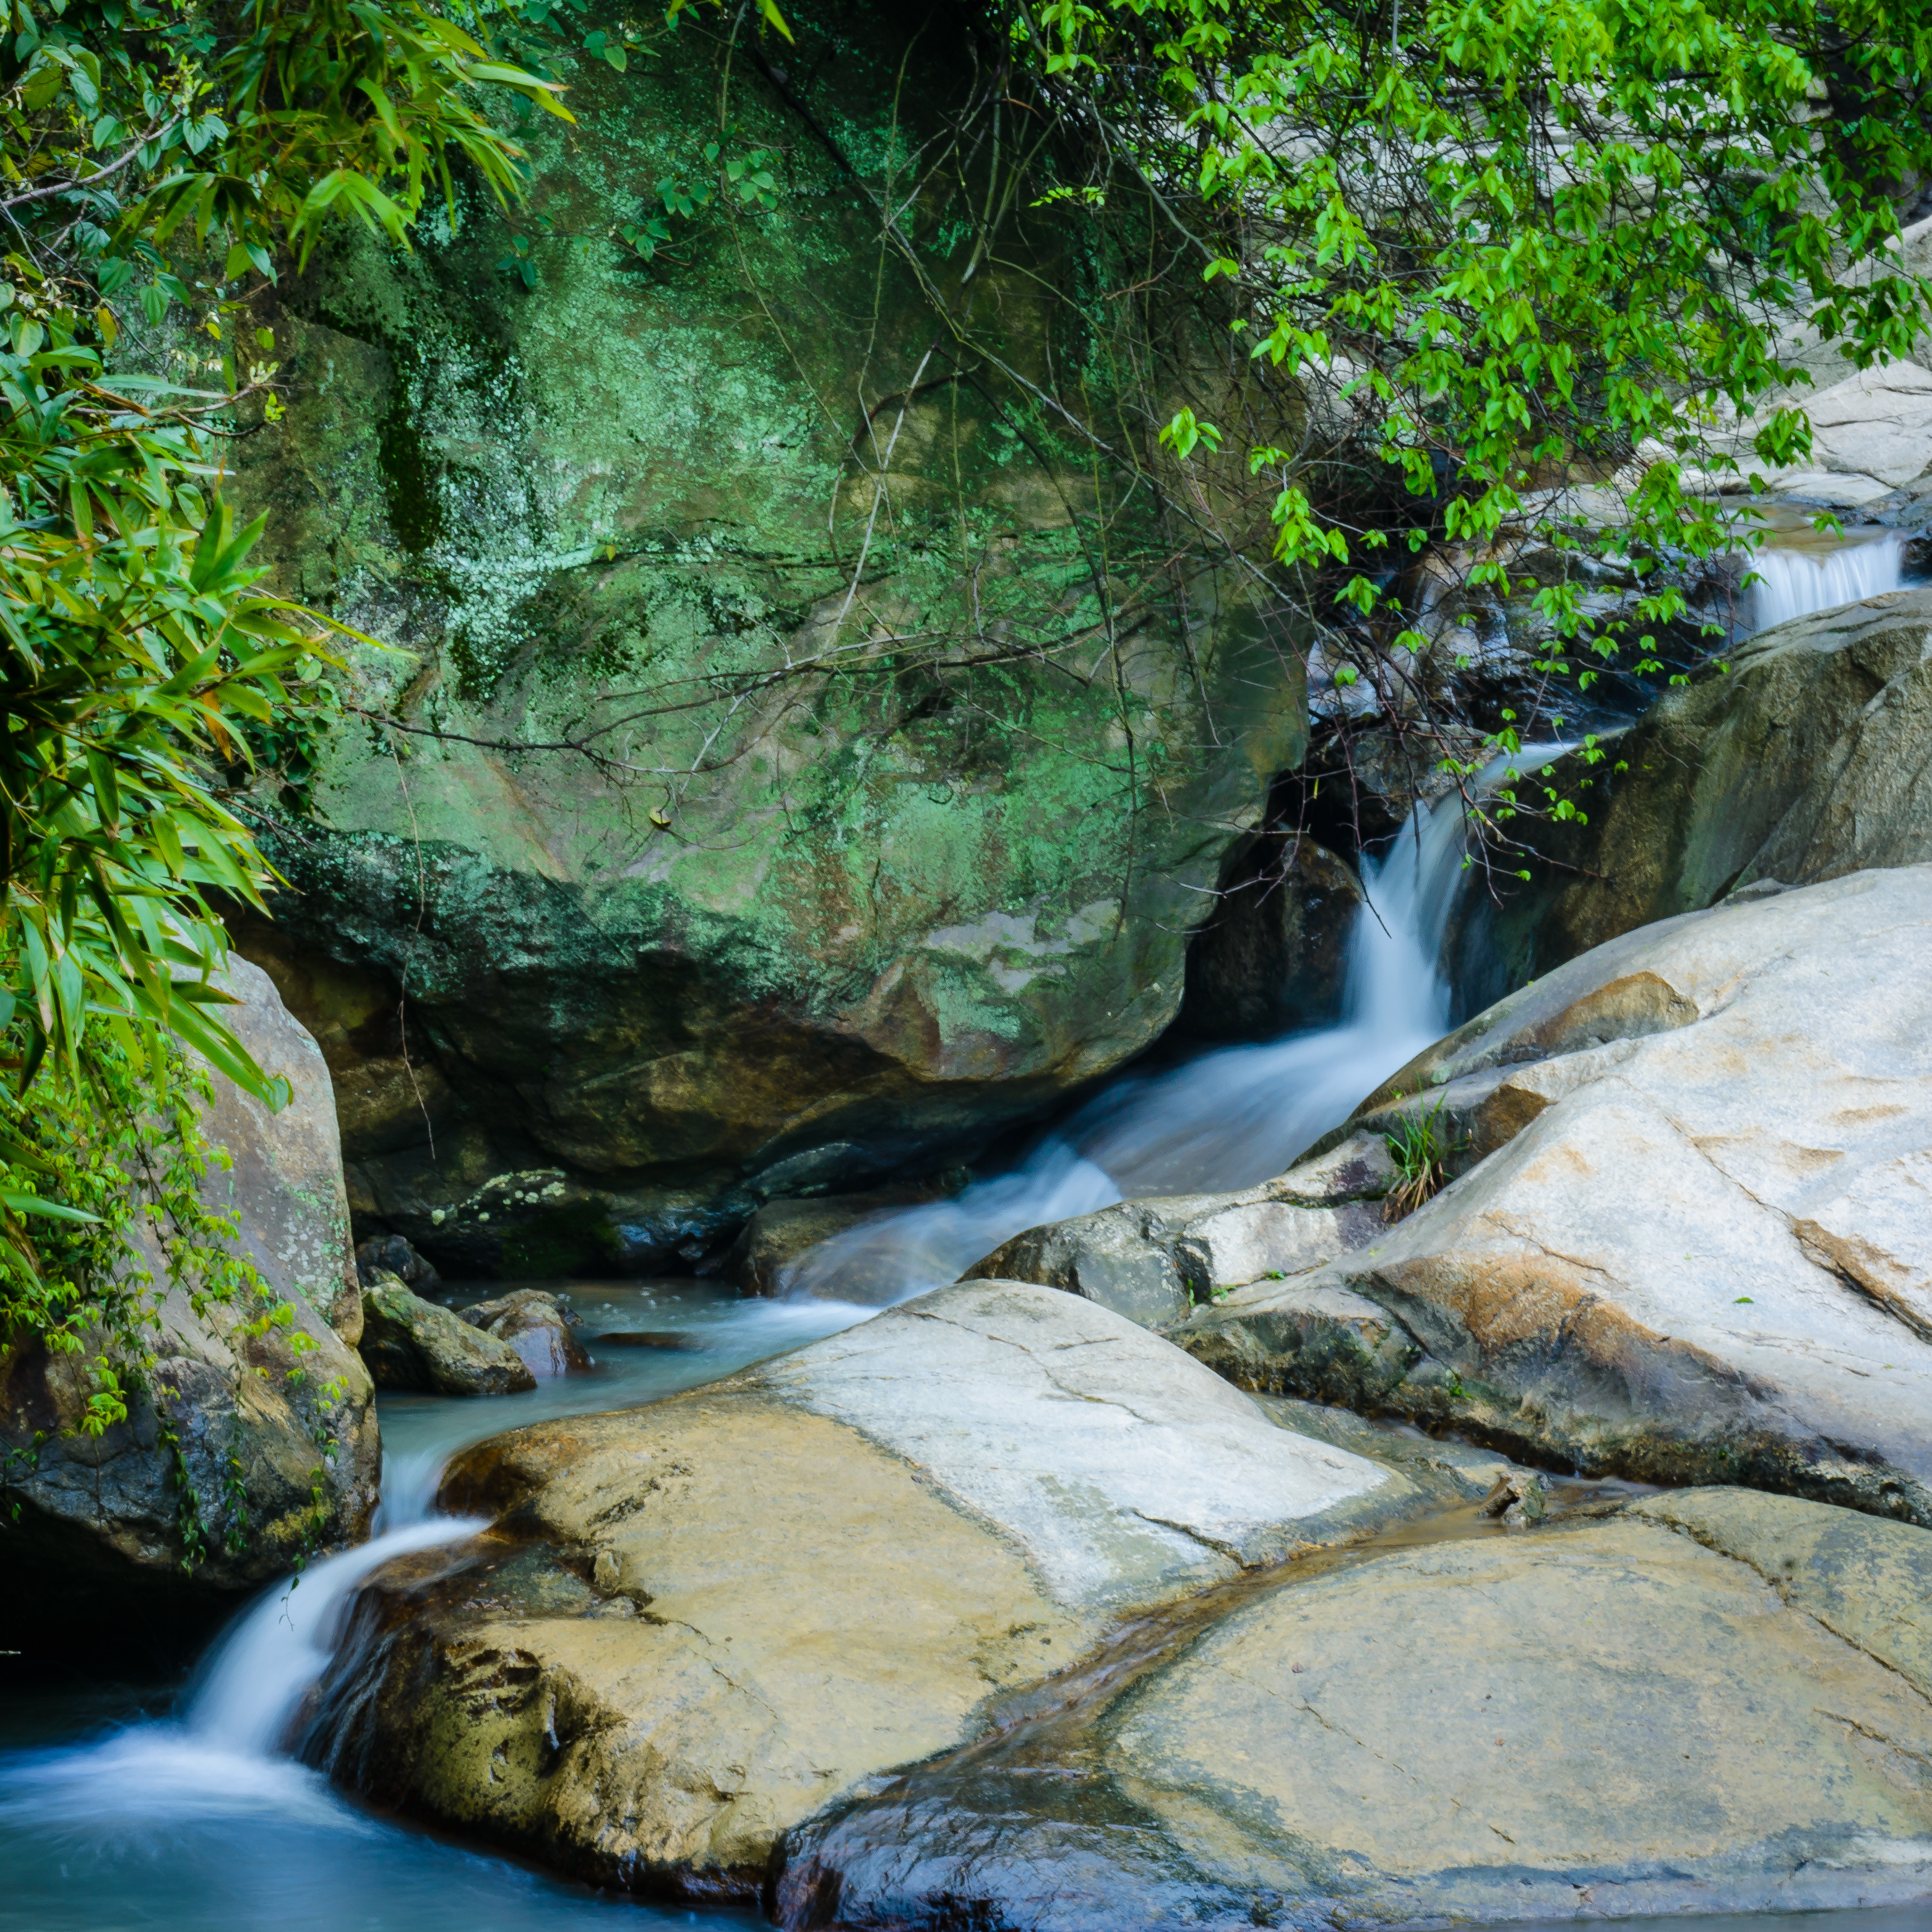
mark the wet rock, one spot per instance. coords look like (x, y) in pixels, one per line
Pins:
(410, 1343)
(1273, 953)
(1600, 1718)
(273, 1451)
(1518, 1501)
(835, 1562)
(390, 1254)
(1805, 763)
(1152, 1260)
(1684, 1243)
(537, 1326)
(764, 1255)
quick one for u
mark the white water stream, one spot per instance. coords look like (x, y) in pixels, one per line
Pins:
(198, 1821)
(195, 1822)
(1226, 1119)
(1794, 582)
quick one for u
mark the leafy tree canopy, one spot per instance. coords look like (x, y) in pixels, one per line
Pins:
(1518, 245)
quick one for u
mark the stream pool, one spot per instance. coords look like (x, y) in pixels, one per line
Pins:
(165, 1807)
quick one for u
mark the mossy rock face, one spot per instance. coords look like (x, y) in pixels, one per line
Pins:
(768, 930)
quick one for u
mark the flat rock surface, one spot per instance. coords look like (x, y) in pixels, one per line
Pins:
(1688, 1243)
(698, 1623)
(1601, 1717)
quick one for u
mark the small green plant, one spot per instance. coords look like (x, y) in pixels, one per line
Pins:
(1421, 1149)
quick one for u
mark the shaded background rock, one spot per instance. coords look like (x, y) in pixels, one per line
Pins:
(1808, 761)
(275, 1453)
(759, 1260)
(880, 917)
(1272, 954)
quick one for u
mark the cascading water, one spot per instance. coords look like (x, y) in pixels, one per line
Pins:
(1226, 1119)
(197, 1823)
(1793, 583)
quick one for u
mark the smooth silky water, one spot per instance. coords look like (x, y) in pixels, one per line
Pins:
(1797, 577)
(174, 1810)
(177, 1810)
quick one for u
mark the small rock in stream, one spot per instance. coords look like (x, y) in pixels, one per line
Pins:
(537, 1325)
(410, 1343)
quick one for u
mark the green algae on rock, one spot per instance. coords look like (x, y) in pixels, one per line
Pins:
(913, 721)
(247, 1445)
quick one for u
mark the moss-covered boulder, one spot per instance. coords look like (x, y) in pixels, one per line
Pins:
(812, 717)
(250, 1442)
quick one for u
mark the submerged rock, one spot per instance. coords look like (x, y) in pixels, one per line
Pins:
(698, 1623)
(421, 1346)
(1803, 763)
(1689, 1240)
(1599, 1718)
(536, 1325)
(246, 1450)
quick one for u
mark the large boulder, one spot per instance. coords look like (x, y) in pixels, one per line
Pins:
(250, 1444)
(1713, 1701)
(1689, 1240)
(697, 1624)
(778, 783)
(1807, 759)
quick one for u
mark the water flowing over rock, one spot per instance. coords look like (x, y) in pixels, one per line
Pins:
(1152, 1260)
(1807, 760)
(698, 1623)
(786, 929)
(274, 1453)
(1711, 1702)
(1689, 1240)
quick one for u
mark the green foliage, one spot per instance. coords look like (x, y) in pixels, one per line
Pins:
(1420, 1148)
(94, 1156)
(140, 145)
(1526, 246)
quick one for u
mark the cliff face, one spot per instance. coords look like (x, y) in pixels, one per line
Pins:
(891, 717)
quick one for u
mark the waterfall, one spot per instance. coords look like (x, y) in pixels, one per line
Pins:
(1792, 584)
(249, 1689)
(1225, 1120)
(219, 1757)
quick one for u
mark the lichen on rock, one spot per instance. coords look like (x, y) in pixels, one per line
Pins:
(909, 716)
